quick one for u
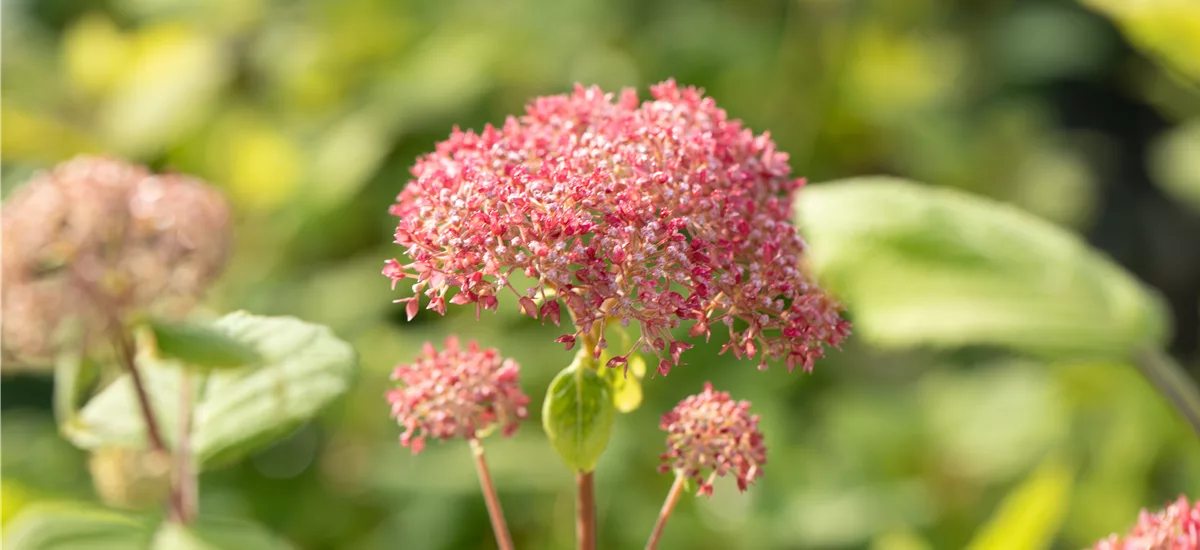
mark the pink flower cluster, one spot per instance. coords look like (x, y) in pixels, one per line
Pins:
(456, 392)
(710, 435)
(1175, 528)
(659, 213)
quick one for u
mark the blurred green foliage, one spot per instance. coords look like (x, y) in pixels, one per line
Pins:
(308, 113)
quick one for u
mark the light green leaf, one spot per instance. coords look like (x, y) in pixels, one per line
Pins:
(626, 382)
(73, 373)
(210, 534)
(578, 416)
(918, 265)
(74, 527)
(200, 346)
(1029, 517)
(304, 367)
(1167, 30)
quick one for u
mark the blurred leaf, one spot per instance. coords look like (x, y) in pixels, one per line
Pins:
(199, 346)
(95, 54)
(626, 388)
(209, 534)
(31, 136)
(304, 368)
(1168, 30)
(1175, 163)
(260, 162)
(73, 374)
(1030, 516)
(918, 265)
(74, 527)
(578, 416)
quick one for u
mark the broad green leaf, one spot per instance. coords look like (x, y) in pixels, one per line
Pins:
(303, 368)
(74, 527)
(1029, 517)
(918, 265)
(211, 534)
(200, 346)
(578, 416)
(1168, 30)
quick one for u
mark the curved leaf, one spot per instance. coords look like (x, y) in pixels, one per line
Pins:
(1030, 516)
(211, 534)
(578, 415)
(74, 527)
(303, 368)
(199, 346)
(918, 265)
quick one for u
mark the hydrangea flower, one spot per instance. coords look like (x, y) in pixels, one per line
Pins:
(711, 435)
(659, 214)
(456, 393)
(97, 238)
(1175, 528)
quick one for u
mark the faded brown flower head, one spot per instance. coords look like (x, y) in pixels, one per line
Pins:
(96, 239)
(456, 392)
(1177, 527)
(710, 435)
(662, 214)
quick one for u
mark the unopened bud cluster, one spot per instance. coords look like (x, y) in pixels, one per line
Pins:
(457, 392)
(94, 239)
(710, 435)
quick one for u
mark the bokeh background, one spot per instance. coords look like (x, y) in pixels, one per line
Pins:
(308, 114)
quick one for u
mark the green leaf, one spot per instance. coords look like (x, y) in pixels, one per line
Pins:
(918, 265)
(200, 346)
(74, 527)
(578, 416)
(1167, 30)
(304, 367)
(73, 374)
(212, 534)
(1029, 517)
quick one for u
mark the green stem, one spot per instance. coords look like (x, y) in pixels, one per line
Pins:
(1169, 378)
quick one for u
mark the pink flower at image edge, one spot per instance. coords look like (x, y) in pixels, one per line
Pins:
(1177, 527)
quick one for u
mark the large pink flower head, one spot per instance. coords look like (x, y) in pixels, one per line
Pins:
(660, 213)
(711, 435)
(1175, 528)
(456, 392)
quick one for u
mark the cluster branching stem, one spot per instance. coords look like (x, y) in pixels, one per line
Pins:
(665, 513)
(495, 512)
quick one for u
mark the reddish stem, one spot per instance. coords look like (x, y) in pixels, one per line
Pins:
(499, 526)
(665, 513)
(585, 512)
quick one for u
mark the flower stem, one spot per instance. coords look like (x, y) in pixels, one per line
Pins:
(499, 526)
(1169, 378)
(665, 513)
(585, 512)
(127, 353)
(183, 481)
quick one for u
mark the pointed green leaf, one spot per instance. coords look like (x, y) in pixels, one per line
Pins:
(200, 346)
(211, 534)
(1031, 515)
(74, 527)
(626, 384)
(578, 415)
(303, 368)
(918, 265)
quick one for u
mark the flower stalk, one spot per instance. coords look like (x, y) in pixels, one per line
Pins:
(495, 512)
(585, 511)
(667, 508)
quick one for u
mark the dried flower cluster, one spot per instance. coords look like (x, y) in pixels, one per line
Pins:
(710, 435)
(660, 213)
(1175, 528)
(456, 392)
(97, 238)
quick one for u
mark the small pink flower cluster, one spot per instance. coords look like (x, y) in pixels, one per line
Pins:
(456, 392)
(1175, 528)
(710, 435)
(660, 213)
